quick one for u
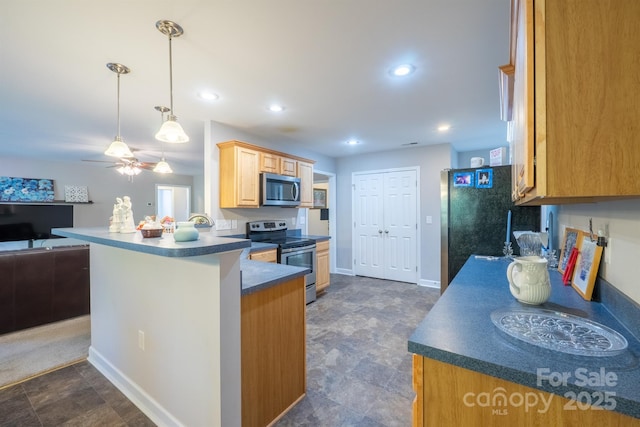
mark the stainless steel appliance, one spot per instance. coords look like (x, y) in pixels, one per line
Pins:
(295, 251)
(279, 190)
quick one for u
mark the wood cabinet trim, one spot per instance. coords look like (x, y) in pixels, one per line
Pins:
(262, 150)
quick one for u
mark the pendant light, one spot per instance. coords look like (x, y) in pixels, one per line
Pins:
(171, 131)
(118, 148)
(162, 166)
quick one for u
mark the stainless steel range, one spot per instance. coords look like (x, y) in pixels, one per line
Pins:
(295, 251)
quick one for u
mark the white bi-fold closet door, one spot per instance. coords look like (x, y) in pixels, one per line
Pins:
(385, 225)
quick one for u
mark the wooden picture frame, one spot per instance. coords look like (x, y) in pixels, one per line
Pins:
(319, 198)
(572, 238)
(586, 270)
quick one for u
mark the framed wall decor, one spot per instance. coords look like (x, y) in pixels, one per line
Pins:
(15, 189)
(319, 198)
(587, 264)
(572, 238)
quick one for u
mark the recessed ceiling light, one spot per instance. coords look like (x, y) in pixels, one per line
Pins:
(209, 96)
(276, 108)
(444, 128)
(402, 70)
(353, 142)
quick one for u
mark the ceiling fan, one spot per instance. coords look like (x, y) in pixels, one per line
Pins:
(127, 165)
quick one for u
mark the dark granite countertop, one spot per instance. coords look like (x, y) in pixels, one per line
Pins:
(258, 275)
(207, 243)
(458, 330)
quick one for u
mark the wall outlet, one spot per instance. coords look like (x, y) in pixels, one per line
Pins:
(234, 224)
(223, 224)
(141, 343)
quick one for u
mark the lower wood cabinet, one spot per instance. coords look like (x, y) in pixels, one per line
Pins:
(273, 352)
(445, 397)
(322, 266)
(270, 255)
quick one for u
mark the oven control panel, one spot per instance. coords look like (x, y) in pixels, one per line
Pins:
(273, 225)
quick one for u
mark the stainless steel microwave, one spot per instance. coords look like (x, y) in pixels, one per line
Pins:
(279, 190)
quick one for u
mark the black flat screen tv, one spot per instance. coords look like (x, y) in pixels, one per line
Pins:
(32, 222)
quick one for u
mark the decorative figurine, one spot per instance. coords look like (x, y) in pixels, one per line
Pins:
(128, 224)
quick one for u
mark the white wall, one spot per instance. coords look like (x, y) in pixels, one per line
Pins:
(431, 160)
(623, 221)
(104, 185)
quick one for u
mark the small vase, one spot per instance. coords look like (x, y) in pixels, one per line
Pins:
(185, 232)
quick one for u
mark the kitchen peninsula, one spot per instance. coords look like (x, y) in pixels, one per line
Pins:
(467, 372)
(166, 322)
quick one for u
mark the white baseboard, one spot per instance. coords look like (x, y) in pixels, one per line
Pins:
(345, 271)
(152, 409)
(429, 283)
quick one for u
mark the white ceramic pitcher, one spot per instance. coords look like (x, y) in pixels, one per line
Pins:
(529, 279)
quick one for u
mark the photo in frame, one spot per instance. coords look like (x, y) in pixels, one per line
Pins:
(484, 178)
(319, 198)
(463, 179)
(572, 238)
(586, 270)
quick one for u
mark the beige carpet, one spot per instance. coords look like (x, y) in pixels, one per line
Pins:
(34, 351)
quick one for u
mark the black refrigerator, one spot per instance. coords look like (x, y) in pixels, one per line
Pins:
(475, 205)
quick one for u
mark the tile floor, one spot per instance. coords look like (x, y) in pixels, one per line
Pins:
(358, 368)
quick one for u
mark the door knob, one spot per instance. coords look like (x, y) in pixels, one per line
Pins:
(380, 231)
(386, 231)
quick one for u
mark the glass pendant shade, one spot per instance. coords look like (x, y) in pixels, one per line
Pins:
(118, 149)
(163, 167)
(172, 132)
(129, 170)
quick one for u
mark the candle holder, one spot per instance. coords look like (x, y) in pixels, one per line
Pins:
(507, 250)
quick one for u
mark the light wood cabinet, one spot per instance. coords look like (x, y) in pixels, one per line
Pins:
(239, 176)
(272, 163)
(241, 164)
(322, 266)
(288, 166)
(269, 163)
(575, 103)
(448, 395)
(273, 352)
(305, 173)
(269, 255)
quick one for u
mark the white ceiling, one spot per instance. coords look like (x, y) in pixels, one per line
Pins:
(327, 61)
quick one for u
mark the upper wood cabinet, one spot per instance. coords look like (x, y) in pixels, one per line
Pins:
(239, 176)
(305, 173)
(241, 164)
(575, 100)
(272, 163)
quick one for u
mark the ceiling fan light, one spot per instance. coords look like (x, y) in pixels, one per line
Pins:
(118, 149)
(163, 167)
(172, 132)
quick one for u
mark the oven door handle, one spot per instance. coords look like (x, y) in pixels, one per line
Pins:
(301, 249)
